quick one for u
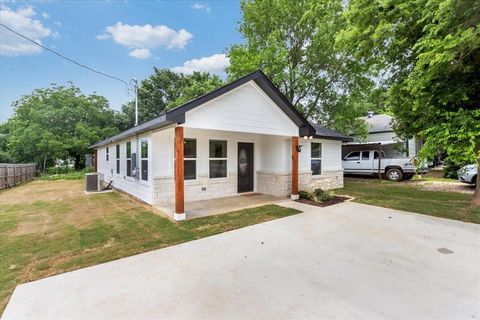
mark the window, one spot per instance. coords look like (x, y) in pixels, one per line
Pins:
(118, 158)
(106, 155)
(352, 156)
(365, 155)
(129, 158)
(218, 158)
(375, 155)
(316, 158)
(144, 158)
(190, 159)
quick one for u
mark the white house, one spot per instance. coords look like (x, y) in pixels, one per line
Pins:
(243, 137)
(380, 132)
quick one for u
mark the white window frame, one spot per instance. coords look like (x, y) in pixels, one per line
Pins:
(191, 159)
(128, 158)
(142, 158)
(226, 158)
(314, 158)
(118, 156)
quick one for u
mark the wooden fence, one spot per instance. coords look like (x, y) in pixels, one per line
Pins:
(12, 174)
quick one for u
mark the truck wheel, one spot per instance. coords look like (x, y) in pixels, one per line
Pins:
(394, 174)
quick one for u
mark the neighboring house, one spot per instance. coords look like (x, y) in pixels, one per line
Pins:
(243, 137)
(380, 131)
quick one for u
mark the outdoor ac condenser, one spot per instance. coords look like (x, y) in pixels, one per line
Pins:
(93, 182)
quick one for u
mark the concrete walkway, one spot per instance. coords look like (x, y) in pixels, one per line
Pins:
(348, 261)
(203, 208)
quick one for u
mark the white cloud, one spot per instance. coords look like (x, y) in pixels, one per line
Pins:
(140, 53)
(146, 37)
(21, 21)
(214, 64)
(201, 6)
(45, 15)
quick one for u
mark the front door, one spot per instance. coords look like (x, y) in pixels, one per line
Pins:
(245, 167)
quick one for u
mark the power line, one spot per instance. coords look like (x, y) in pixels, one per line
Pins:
(63, 57)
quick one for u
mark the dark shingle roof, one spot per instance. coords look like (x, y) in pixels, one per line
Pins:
(325, 133)
(379, 123)
(177, 115)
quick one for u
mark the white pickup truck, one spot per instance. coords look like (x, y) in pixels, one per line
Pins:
(366, 162)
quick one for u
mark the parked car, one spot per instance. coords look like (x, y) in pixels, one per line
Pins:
(468, 174)
(366, 162)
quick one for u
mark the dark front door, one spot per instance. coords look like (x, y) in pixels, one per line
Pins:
(245, 167)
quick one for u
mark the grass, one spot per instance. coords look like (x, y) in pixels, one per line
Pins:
(401, 196)
(50, 227)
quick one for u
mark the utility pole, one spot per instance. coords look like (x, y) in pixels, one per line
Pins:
(136, 100)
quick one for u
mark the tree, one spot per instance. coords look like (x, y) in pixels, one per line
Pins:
(58, 123)
(164, 90)
(295, 44)
(430, 51)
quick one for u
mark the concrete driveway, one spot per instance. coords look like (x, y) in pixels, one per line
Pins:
(345, 261)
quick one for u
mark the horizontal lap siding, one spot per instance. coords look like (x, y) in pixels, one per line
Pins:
(138, 188)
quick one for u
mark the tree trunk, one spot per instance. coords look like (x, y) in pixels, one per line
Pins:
(476, 195)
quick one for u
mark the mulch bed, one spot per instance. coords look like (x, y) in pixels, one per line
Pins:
(335, 200)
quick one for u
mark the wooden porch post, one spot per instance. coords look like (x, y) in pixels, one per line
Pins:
(179, 213)
(294, 195)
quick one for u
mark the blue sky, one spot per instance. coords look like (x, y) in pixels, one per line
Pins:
(125, 39)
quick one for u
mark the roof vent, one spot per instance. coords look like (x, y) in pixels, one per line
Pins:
(369, 114)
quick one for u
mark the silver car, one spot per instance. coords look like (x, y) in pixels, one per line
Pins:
(468, 174)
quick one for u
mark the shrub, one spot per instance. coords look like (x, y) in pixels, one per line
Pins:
(321, 195)
(325, 197)
(306, 195)
(60, 170)
(450, 170)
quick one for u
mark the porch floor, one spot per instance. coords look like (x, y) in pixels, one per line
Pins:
(202, 208)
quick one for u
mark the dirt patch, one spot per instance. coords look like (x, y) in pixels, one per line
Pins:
(445, 186)
(334, 200)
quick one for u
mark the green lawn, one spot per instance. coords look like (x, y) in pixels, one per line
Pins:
(401, 196)
(49, 227)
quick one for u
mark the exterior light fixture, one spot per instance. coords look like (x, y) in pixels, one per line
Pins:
(299, 148)
(305, 137)
(311, 137)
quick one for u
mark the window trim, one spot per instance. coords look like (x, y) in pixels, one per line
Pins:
(127, 158)
(316, 158)
(117, 158)
(191, 159)
(142, 158)
(210, 158)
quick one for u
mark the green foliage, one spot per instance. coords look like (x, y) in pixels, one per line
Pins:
(428, 54)
(61, 173)
(164, 90)
(321, 195)
(306, 195)
(57, 123)
(295, 43)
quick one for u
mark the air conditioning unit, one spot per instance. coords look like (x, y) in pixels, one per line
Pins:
(93, 182)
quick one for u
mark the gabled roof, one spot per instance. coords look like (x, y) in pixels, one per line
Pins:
(379, 123)
(325, 133)
(177, 115)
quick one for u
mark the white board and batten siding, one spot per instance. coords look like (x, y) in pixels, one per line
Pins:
(331, 155)
(138, 188)
(244, 109)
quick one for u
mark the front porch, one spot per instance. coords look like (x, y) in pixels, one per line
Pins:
(202, 208)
